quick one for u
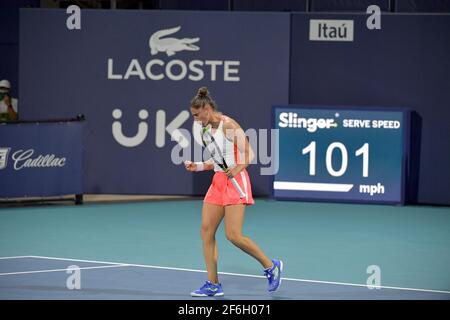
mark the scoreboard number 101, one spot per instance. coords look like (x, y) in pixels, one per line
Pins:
(337, 147)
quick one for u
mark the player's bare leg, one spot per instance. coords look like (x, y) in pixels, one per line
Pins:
(234, 219)
(212, 215)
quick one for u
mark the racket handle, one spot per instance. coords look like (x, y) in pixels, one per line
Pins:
(238, 188)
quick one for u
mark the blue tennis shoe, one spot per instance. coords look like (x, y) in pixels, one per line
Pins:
(209, 289)
(273, 275)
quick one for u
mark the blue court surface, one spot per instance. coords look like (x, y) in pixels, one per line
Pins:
(47, 278)
(152, 250)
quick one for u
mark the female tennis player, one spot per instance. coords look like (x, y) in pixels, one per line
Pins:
(226, 198)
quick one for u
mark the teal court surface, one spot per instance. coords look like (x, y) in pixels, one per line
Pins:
(152, 250)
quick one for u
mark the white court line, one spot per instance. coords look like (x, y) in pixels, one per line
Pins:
(243, 275)
(14, 257)
(59, 270)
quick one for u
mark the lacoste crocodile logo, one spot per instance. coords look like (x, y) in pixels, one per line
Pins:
(171, 45)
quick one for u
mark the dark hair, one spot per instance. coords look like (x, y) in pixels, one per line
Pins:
(203, 98)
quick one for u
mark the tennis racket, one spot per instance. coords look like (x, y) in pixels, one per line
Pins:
(223, 165)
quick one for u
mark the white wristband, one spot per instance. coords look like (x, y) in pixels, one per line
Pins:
(199, 166)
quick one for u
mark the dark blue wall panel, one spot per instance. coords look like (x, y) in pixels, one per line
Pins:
(9, 40)
(195, 4)
(9, 22)
(270, 5)
(65, 72)
(436, 6)
(404, 64)
(347, 5)
(9, 66)
(9, 47)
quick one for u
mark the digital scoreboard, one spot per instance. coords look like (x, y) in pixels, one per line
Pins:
(340, 154)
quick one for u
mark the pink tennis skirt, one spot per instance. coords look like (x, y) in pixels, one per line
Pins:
(223, 193)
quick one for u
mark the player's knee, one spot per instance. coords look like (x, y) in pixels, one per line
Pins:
(234, 237)
(206, 232)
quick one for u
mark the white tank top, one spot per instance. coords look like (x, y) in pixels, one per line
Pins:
(226, 146)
